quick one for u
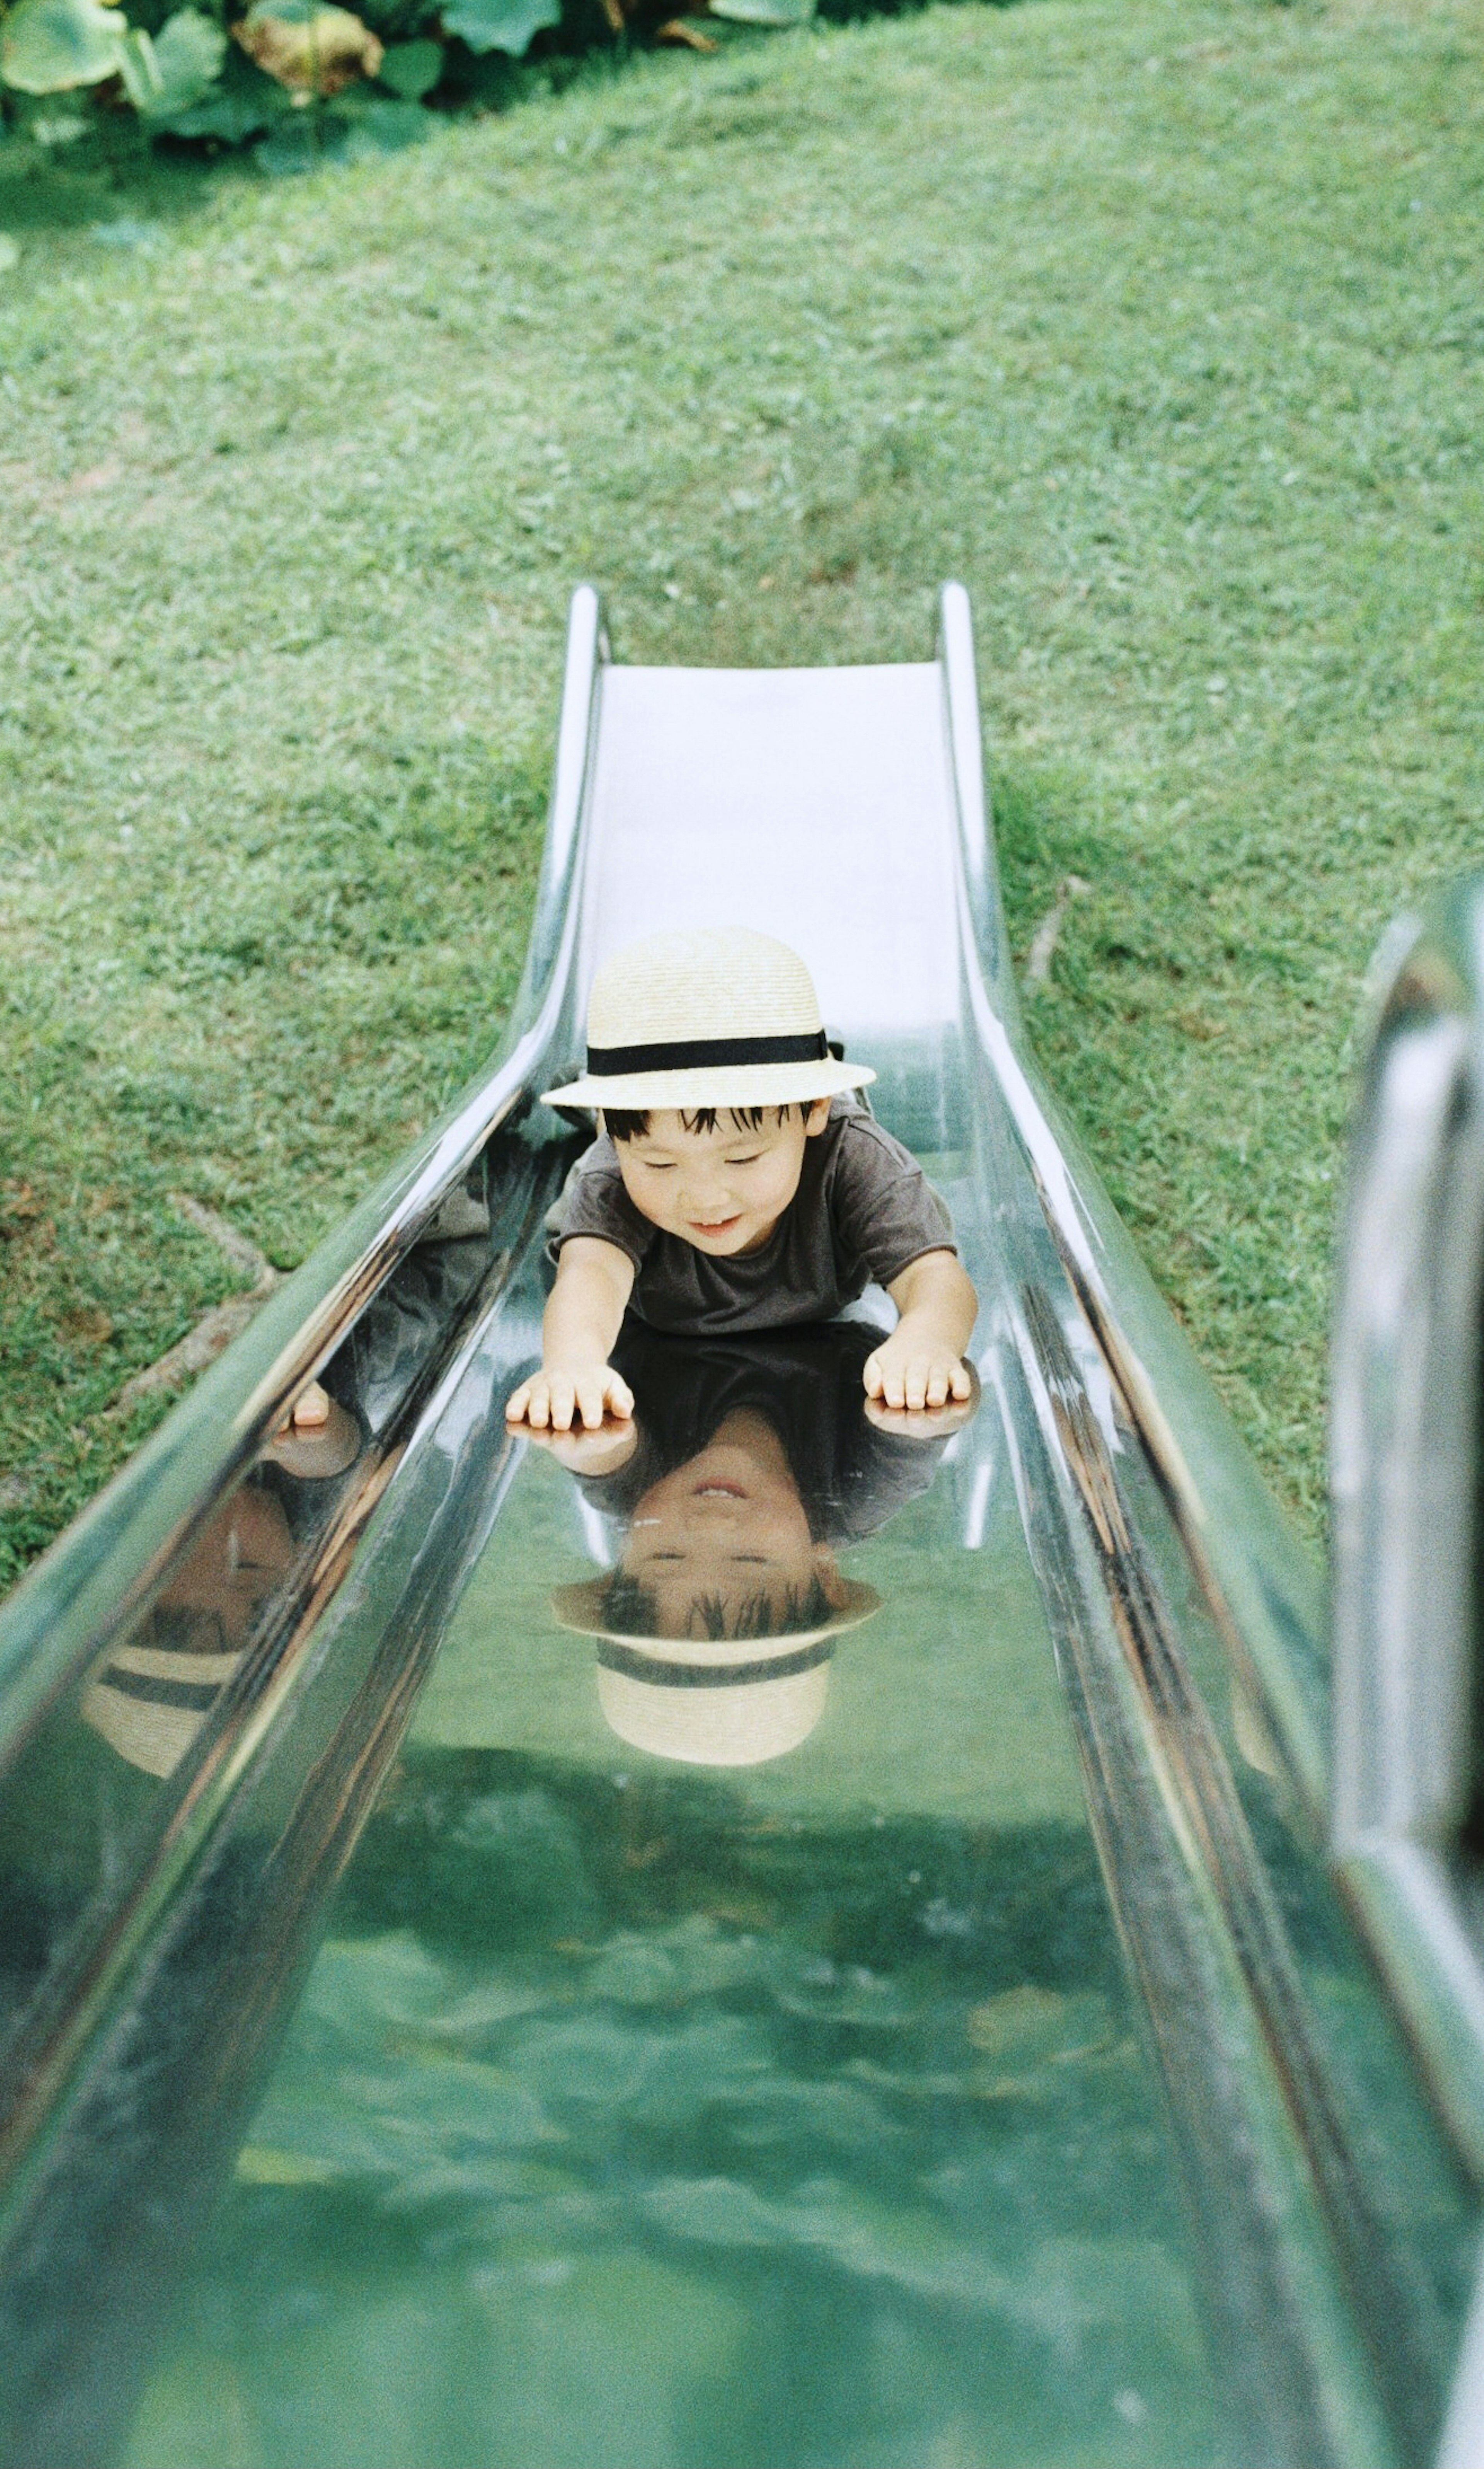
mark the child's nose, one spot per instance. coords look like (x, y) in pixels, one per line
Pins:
(705, 1197)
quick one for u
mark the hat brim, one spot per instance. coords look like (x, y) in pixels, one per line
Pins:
(580, 1608)
(738, 1084)
(738, 1726)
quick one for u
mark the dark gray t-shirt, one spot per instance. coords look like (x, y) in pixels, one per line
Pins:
(863, 1208)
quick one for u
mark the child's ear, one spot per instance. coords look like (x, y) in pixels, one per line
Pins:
(827, 1569)
(816, 1116)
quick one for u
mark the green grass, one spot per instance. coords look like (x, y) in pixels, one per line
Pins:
(1159, 325)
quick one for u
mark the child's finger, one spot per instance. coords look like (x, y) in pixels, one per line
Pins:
(518, 1402)
(961, 1384)
(621, 1397)
(590, 1395)
(563, 1402)
(916, 1386)
(871, 1375)
(312, 1411)
(938, 1389)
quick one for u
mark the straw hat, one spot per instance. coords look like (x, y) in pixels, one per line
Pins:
(712, 1701)
(715, 1017)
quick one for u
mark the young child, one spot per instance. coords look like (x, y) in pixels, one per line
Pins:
(735, 1186)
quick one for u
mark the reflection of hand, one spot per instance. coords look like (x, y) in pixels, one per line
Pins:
(600, 1452)
(311, 1413)
(561, 1395)
(922, 1422)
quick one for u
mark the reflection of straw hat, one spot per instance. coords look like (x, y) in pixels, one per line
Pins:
(152, 1735)
(712, 1701)
(717, 1017)
(150, 1699)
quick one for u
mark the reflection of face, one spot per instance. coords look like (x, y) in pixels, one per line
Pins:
(244, 1552)
(728, 1530)
(725, 1189)
(149, 1696)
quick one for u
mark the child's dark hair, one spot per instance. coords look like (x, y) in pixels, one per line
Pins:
(622, 1124)
(631, 1609)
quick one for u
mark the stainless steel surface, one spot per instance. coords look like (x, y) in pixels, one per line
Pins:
(97, 1586)
(1405, 1480)
(1097, 1525)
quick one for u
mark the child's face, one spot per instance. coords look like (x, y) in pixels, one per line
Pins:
(725, 1189)
(728, 1529)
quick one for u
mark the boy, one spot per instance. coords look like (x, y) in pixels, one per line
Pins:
(733, 1186)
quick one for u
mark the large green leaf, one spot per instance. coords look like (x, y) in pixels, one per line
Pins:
(47, 46)
(227, 114)
(500, 25)
(412, 70)
(143, 83)
(189, 51)
(375, 126)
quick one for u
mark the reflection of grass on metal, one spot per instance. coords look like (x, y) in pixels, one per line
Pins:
(290, 519)
(839, 2065)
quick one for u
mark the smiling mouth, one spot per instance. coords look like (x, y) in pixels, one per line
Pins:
(723, 1226)
(718, 1492)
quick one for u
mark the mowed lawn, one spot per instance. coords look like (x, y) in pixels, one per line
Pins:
(1162, 327)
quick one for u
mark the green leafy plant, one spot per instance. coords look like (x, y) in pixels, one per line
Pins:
(508, 26)
(168, 72)
(53, 46)
(307, 80)
(412, 70)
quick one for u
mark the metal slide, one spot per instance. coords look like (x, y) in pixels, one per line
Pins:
(445, 2031)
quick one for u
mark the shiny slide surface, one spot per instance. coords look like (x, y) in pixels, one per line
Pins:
(446, 2026)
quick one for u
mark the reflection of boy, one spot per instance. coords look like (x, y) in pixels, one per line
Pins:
(722, 1546)
(735, 1186)
(745, 1465)
(793, 1397)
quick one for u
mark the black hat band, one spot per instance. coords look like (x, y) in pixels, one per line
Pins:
(661, 1674)
(697, 1054)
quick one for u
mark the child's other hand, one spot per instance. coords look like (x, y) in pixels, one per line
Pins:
(915, 1370)
(561, 1395)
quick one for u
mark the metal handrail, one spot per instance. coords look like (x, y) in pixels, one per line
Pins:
(1404, 1478)
(1263, 1589)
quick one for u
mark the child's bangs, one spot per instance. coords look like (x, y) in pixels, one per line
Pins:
(625, 1124)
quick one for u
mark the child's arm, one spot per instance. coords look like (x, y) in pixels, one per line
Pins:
(594, 1281)
(922, 1363)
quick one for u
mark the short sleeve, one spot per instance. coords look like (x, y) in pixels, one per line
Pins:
(886, 1213)
(594, 1202)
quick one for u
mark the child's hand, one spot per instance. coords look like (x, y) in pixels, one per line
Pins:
(913, 1370)
(562, 1394)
